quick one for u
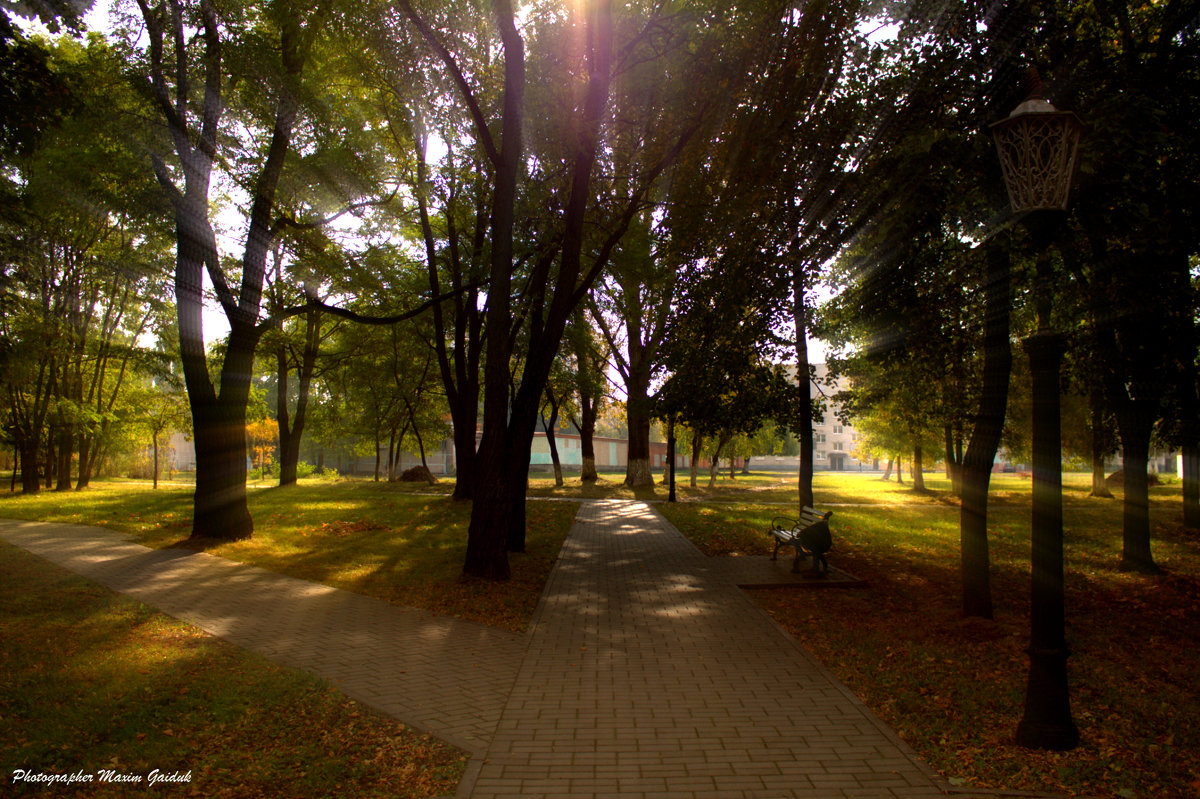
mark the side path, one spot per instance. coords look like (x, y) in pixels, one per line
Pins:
(648, 675)
(440, 675)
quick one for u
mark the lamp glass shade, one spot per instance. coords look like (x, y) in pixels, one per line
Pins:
(1038, 146)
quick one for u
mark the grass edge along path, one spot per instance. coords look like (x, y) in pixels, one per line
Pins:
(953, 688)
(100, 685)
(378, 539)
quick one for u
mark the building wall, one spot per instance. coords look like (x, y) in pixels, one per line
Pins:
(833, 442)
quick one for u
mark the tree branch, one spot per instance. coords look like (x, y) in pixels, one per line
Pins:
(460, 80)
(275, 319)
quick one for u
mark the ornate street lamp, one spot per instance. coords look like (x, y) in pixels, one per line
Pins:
(1038, 146)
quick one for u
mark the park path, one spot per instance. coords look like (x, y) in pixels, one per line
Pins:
(646, 672)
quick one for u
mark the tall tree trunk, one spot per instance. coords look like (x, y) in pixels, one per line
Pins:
(887, 474)
(66, 444)
(899, 470)
(220, 509)
(954, 460)
(549, 426)
(492, 510)
(291, 428)
(84, 478)
(697, 444)
(587, 389)
(805, 423)
(30, 484)
(918, 468)
(587, 443)
(1099, 446)
(378, 458)
(713, 467)
(1191, 485)
(466, 428)
(637, 409)
(985, 436)
(1136, 422)
(154, 438)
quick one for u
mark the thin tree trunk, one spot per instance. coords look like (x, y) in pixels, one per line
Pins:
(378, 447)
(697, 443)
(805, 423)
(918, 468)
(887, 475)
(985, 437)
(1099, 448)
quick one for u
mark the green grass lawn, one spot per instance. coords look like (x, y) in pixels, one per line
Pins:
(954, 688)
(381, 539)
(91, 680)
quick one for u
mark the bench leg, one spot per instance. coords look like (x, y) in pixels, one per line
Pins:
(796, 561)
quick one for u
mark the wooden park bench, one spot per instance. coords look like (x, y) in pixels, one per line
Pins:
(808, 535)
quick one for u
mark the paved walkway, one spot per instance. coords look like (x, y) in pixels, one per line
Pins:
(645, 673)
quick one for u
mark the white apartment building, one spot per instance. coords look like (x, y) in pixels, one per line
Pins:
(833, 441)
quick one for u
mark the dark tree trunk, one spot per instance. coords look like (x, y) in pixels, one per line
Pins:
(220, 510)
(637, 409)
(549, 425)
(954, 460)
(918, 468)
(51, 460)
(713, 467)
(84, 477)
(985, 437)
(291, 428)
(587, 444)
(1100, 446)
(154, 438)
(30, 484)
(66, 444)
(805, 423)
(378, 449)
(1136, 422)
(887, 474)
(697, 445)
(589, 401)
(899, 470)
(1191, 486)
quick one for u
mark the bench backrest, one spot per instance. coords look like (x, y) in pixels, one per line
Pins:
(810, 515)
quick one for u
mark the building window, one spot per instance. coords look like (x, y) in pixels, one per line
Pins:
(837, 428)
(819, 438)
(837, 447)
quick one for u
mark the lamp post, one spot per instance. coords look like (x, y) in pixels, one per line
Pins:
(1038, 145)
